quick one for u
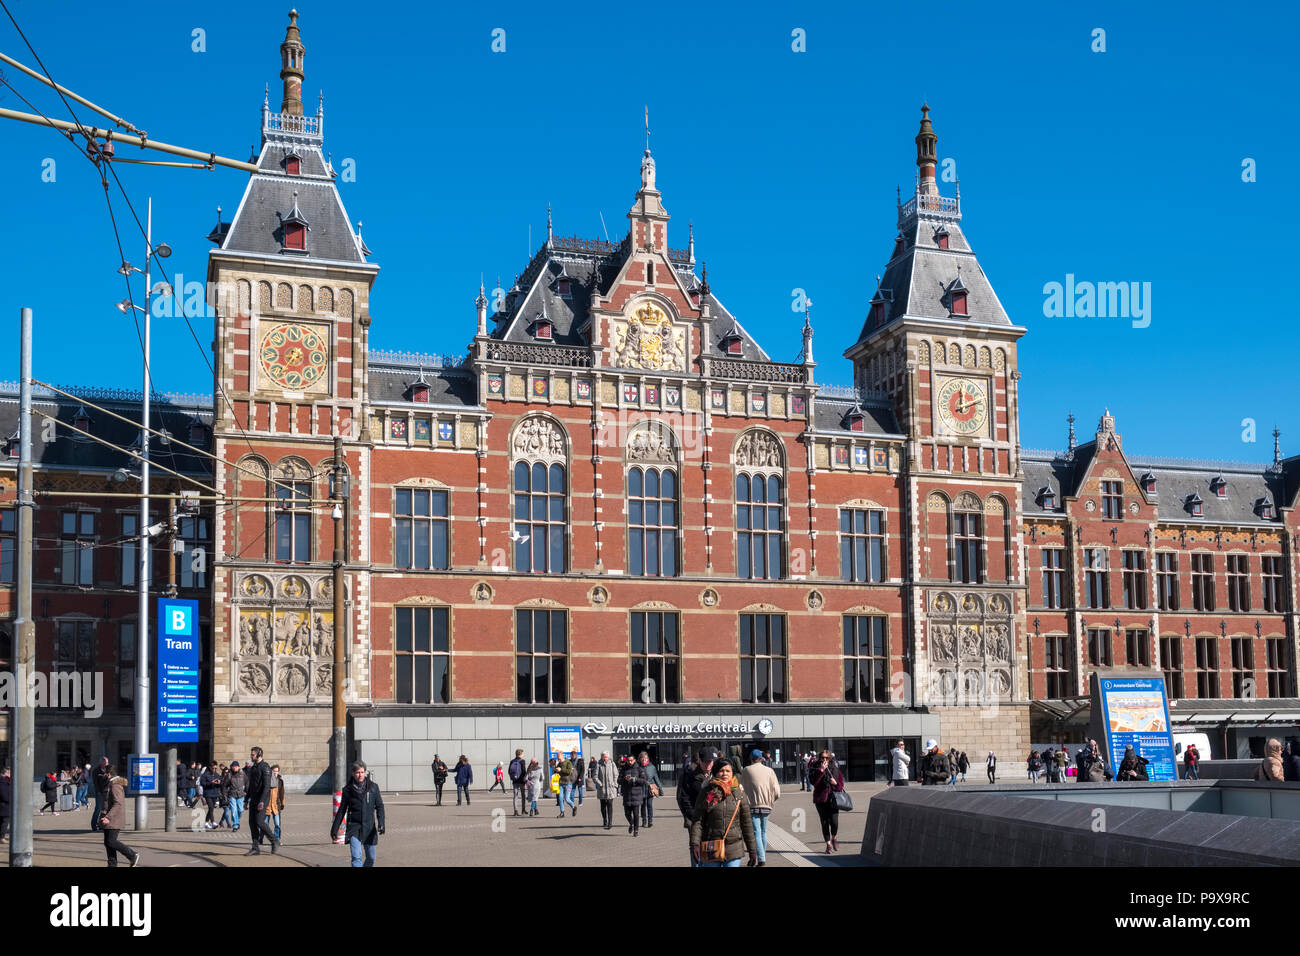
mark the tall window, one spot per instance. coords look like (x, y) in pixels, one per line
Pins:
(1275, 657)
(1243, 668)
(78, 542)
(1099, 653)
(652, 521)
(540, 530)
(762, 658)
(862, 545)
(1203, 581)
(1135, 579)
(1053, 577)
(1137, 647)
(74, 648)
(1096, 574)
(967, 537)
(293, 521)
(541, 657)
(1207, 667)
(1057, 667)
(1238, 583)
(1112, 499)
(759, 530)
(194, 558)
(126, 639)
(1271, 566)
(656, 658)
(130, 548)
(866, 659)
(8, 528)
(1167, 580)
(1171, 661)
(423, 655)
(420, 529)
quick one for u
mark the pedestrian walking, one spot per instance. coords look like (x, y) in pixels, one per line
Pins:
(210, 782)
(363, 807)
(992, 765)
(260, 782)
(934, 769)
(827, 780)
(236, 786)
(1034, 764)
(1192, 761)
(275, 805)
(964, 765)
(182, 785)
(1270, 768)
(1062, 762)
(722, 830)
(533, 785)
(1049, 765)
(691, 785)
(50, 787)
(192, 778)
(113, 822)
(99, 783)
(439, 777)
(518, 772)
(83, 786)
(803, 771)
(1290, 763)
(899, 762)
(6, 803)
(498, 779)
(579, 778)
(606, 780)
(762, 790)
(636, 788)
(564, 767)
(654, 787)
(953, 758)
(464, 777)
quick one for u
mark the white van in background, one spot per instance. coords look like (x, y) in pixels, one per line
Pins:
(1183, 741)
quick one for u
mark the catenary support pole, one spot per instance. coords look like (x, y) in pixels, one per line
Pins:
(142, 682)
(24, 719)
(338, 755)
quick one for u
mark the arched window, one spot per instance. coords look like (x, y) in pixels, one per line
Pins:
(652, 521)
(293, 514)
(967, 540)
(540, 529)
(759, 529)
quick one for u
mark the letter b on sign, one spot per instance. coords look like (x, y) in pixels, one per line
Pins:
(178, 621)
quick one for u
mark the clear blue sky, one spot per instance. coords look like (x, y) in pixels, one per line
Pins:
(1117, 166)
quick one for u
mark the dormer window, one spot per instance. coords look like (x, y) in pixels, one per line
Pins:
(941, 237)
(295, 236)
(1219, 486)
(854, 419)
(81, 420)
(876, 318)
(11, 445)
(420, 393)
(735, 347)
(955, 297)
(562, 287)
(1046, 498)
(542, 329)
(1149, 483)
(1263, 508)
(293, 165)
(1193, 505)
(732, 343)
(198, 434)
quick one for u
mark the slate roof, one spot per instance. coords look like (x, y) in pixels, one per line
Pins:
(877, 417)
(1175, 481)
(71, 451)
(917, 276)
(256, 225)
(448, 387)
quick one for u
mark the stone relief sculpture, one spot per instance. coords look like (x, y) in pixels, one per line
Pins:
(254, 678)
(538, 438)
(758, 450)
(649, 442)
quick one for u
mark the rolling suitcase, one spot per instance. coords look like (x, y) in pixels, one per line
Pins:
(67, 799)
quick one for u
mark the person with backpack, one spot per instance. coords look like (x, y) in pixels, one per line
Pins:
(1191, 762)
(50, 787)
(498, 779)
(518, 772)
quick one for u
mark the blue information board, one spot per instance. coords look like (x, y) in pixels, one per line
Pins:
(178, 671)
(1135, 713)
(561, 741)
(143, 776)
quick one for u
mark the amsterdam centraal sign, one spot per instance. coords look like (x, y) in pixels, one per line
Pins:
(761, 727)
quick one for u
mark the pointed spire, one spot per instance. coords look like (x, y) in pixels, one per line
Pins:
(704, 282)
(807, 333)
(481, 305)
(292, 53)
(927, 144)
(690, 245)
(1277, 447)
(550, 235)
(1072, 443)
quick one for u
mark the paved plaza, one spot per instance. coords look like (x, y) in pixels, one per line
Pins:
(481, 834)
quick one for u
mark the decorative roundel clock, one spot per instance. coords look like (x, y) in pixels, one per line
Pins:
(962, 406)
(294, 356)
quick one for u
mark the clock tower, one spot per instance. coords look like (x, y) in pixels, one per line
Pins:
(939, 347)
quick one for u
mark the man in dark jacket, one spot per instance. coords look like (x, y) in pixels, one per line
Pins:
(259, 792)
(6, 803)
(518, 774)
(210, 781)
(1291, 762)
(363, 806)
(935, 769)
(100, 778)
(691, 785)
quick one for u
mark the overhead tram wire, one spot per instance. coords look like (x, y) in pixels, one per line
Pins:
(108, 162)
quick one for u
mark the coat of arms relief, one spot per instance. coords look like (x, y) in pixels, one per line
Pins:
(648, 340)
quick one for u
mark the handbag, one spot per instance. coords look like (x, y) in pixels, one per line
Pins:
(715, 851)
(842, 800)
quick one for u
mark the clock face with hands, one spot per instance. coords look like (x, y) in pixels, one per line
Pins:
(962, 407)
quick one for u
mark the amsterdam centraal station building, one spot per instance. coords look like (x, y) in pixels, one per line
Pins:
(616, 512)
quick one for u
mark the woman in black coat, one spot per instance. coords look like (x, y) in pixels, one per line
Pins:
(635, 789)
(364, 809)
